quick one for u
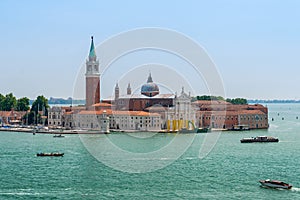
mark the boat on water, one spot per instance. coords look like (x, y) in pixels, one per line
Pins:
(203, 130)
(259, 139)
(199, 130)
(56, 154)
(275, 184)
(58, 136)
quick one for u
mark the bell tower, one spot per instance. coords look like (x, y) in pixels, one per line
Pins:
(128, 89)
(92, 77)
(117, 92)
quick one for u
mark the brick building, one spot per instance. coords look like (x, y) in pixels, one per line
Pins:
(224, 115)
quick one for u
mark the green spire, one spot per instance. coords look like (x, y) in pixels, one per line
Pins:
(92, 49)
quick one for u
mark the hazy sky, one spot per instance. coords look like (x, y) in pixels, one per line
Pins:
(255, 44)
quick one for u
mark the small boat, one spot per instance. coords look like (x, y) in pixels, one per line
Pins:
(58, 136)
(259, 139)
(275, 184)
(50, 154)
(203, 130)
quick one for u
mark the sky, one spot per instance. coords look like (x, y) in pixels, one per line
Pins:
(254, 45)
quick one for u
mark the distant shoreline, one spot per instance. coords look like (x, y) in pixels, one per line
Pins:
(249, 102)
(74, 102)
(272, 101)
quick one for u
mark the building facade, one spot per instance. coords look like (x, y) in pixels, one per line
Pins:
(55, 116)
(224, 115)
(182, 114)
(104, 120)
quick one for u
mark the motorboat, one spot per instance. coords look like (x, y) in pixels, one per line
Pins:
(275, 184)
(58, 136)
(259, 139)
(56, 154)
(203, 130)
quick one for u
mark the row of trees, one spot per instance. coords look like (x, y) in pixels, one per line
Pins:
(34, 114)
(210, 98)
(238, 101)
(9, 102)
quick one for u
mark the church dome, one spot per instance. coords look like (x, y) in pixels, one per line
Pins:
(150, 89)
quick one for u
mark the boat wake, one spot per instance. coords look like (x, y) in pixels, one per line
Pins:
(190, 158)
(294, 189)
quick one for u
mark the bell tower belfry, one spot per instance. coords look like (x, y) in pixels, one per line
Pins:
(92, 77)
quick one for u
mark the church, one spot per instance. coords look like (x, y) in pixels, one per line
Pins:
(149, 103)
(150, 110)
(149, 96)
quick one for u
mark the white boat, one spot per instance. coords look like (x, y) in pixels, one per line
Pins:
(259, 139)
(275, 184)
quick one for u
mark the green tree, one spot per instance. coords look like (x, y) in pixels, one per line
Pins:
(210, 98)
(22, 104)
(2, 98)
(39, 108)
(237, 101)
(29, 118)
(9, 102)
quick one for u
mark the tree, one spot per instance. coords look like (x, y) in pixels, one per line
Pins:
(22, 104)
(9, 102)
(239, 101)
(2, 98)
(29, 118)
(39, 108)
(210, 98)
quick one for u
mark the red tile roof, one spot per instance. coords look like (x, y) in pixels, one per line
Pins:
(117, 112)
(230, 112)
(213, 102)
(102, 105)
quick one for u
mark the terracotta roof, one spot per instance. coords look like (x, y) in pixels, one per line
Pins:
(95, 112)
(237, 112)
(251, 112)
(5, 113)
(117, 112)
(135, 113)
(213, 102)
(12, 113)
(102, 105)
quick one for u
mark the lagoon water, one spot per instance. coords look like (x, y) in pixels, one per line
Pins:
(230, 171)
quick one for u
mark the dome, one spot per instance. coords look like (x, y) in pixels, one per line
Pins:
(150, 89)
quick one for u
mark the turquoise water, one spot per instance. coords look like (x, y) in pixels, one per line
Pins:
(230, 171)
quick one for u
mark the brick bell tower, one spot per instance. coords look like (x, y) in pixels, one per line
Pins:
(92, 76)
